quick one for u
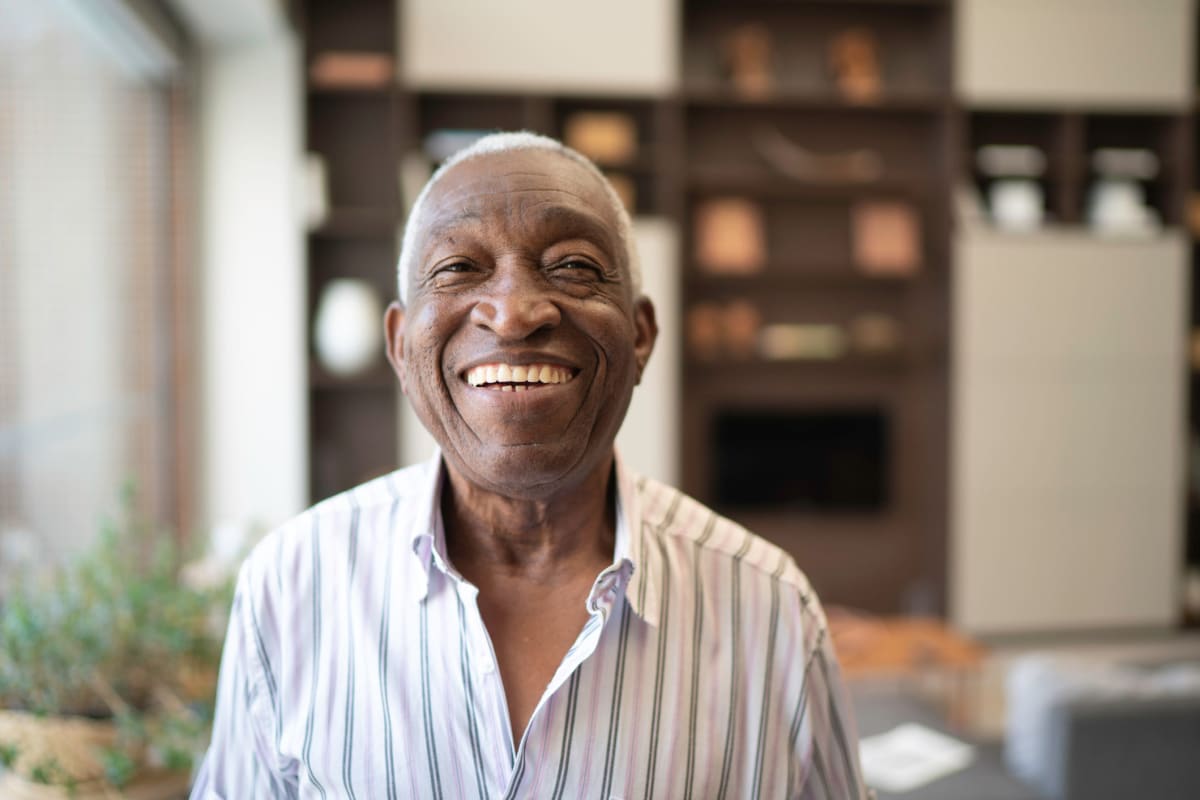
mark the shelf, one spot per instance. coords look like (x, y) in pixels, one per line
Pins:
(725, 368)
(378, 378)
(747, 182)
(382, 91)
(360, 222)
(722, 97)
(794, 277)
(792, 5)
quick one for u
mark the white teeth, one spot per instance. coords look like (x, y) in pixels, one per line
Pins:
(518, 377)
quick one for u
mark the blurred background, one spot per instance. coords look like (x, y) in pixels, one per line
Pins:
(923, 270)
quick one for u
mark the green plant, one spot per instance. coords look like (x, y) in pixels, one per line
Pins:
(115, 635)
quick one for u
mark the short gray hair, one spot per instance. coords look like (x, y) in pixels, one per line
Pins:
(511, 141)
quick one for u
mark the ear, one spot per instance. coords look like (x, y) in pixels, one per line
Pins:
(393, 326)
(646, 328)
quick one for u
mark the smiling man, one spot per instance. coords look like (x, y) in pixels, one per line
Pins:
(522, 616)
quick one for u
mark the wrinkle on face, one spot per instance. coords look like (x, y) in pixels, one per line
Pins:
(506, 220)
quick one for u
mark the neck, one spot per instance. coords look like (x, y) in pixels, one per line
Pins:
(491, 534)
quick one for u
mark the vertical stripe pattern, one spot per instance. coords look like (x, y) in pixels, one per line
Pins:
(357, 665)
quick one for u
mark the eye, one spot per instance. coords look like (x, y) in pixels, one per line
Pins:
(453, 266)
(578, 269)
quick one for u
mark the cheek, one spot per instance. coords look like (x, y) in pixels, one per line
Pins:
(423, 343)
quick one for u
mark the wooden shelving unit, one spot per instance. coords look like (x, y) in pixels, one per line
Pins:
(890, 557)
(352, 421)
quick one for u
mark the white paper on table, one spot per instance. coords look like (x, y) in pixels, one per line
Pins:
(909, 756)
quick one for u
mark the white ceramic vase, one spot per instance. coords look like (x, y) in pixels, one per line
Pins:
(348, 327)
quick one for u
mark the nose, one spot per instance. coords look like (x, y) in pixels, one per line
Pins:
(515, 305)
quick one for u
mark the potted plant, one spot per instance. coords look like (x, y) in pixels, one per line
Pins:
(107, 667)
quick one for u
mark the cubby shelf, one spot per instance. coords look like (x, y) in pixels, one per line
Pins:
(795, 277)
(725, 98)
(747, 183)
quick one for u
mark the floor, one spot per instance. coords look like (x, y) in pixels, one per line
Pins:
(882, 704)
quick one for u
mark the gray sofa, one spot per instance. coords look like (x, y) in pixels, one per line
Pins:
(1079, 730)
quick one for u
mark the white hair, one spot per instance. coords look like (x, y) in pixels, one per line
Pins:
(505, 142)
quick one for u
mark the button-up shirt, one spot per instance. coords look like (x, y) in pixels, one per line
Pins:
(357, 665)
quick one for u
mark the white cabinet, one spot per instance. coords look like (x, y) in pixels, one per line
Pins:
(618, 47)
(1068, 430)
(1075, 53)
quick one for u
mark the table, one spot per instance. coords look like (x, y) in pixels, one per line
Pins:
(910, 648)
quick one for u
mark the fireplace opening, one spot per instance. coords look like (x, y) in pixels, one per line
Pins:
(825, 460)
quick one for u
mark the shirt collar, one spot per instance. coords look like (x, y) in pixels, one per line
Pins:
(634, 564)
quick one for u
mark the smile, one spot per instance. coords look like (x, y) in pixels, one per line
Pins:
(518, 377)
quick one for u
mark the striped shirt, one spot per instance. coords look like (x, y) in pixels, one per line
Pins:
(357, 665)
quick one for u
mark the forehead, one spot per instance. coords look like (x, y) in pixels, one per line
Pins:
(523, 181)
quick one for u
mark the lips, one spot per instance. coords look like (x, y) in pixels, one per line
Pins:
(500, 376)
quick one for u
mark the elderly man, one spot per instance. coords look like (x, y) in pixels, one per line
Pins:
(522, 616)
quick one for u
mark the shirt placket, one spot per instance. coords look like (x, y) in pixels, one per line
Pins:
(491, 705)
(609, 585)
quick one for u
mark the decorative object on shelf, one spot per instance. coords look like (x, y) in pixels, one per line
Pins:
(1191, 593)
(704, 324)
(1132, 163)
(731, 237)
(1194, 351)
(338, 69)
(1015, 197)
(728, 331)
(854, 64)
(1016, 204)
(606, 137)
(741, 329)
(794, 341)
(1117, 200)
(885, 238)
(875, 334)
(625, 188)
(747, 51)
(315, 180)
(1193, 214)
(107, 667)
(802, 164)
(442, 143)
(348, 327)
(1117, 207)
(1010, 161)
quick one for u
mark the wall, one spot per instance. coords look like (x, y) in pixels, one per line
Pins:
(253, 430)
(615, 47)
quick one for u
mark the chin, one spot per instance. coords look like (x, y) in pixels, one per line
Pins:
(532, 471)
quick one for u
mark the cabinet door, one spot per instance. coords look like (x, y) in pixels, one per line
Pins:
(1099, 53)
(1068, 431)
(614, 47)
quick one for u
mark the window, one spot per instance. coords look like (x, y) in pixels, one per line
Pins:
(88, 286)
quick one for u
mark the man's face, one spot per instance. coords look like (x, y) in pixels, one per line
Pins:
(521, 341)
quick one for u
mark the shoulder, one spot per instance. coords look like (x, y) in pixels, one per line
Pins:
(673, 517)
(374, 509)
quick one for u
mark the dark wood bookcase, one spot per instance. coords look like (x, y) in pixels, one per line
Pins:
(887, 555)
(352, 421)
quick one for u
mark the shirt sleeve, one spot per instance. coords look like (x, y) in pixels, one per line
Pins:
(826, 738)
(242, 759)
